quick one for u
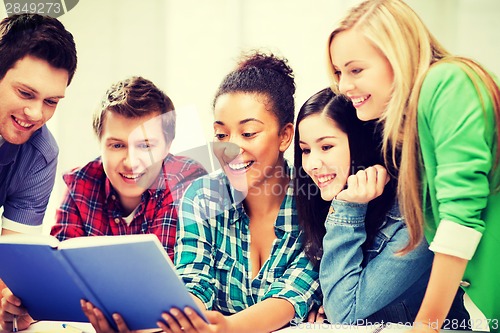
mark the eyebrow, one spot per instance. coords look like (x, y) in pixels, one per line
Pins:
(113, 139)
(244, 121)
(351, 61)
(36, 91)
(321, 139)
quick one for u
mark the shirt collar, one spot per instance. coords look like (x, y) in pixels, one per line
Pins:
(8, 153)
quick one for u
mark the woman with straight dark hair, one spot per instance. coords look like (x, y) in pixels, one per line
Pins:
(353, 228)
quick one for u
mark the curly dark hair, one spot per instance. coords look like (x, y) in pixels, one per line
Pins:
(265, 74)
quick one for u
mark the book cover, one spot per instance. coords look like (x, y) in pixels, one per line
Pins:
(131, 275)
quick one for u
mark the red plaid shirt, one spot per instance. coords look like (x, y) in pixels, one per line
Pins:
(91, 207)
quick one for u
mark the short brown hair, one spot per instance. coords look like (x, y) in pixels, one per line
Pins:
(136, 97)
(39, 36)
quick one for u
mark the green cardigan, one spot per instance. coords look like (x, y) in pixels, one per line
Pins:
(457, 141)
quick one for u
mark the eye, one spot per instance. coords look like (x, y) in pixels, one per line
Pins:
(24, 94)
(144, 145)
(326, 147)
(356, 70)
(248, 135)
(220, 136)
(337, 73)
(306, 151)
(117, 145)
(51, 102)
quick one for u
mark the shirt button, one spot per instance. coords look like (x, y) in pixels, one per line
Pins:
(117, 220)
(464, 284)
(113, 197)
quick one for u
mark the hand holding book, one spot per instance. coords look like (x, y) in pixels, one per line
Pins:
(131, 275)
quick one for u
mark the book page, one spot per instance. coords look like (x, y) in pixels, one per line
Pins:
(92, 241)
(30, 239)
(135, 279)
(57, 327)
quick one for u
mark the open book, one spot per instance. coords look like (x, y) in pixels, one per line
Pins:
(131, 275)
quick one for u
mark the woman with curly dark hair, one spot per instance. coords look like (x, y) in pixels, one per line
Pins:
(239, 249)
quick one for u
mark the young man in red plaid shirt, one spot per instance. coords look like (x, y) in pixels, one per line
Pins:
(135, 185)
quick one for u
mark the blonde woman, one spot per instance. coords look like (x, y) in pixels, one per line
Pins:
(441, 118)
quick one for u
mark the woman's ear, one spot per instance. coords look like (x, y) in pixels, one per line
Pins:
(286, 136)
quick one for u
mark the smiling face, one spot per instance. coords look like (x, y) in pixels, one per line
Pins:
(364, 74)
(29, 93)
(325, 154)
(132, 151)
(252, 142)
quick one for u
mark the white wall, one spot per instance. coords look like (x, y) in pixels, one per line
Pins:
(187, 46)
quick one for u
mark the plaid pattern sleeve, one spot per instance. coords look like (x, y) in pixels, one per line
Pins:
(193, 251)
(213, 252)
(299, 284)
(82, 210)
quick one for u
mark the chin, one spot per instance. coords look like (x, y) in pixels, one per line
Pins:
(238, 183)
(364, 116)
(327, 196)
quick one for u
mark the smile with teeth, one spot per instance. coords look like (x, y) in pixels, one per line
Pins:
(132, 176)
(22, 123)
(322, 180)
(239, 166)
(359, 100)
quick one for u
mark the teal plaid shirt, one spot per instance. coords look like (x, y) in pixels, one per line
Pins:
(212, 253)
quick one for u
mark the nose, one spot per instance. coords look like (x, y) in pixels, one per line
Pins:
(33, 112)
(311, 162)
(130, 160)
(345, 84)
(231, 150)
(227, 150)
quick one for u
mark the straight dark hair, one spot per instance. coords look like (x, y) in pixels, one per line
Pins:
(364, 144)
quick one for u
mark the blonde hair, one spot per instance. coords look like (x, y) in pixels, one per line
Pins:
(397, 31)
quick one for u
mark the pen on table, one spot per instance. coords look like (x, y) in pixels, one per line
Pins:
(380, 328)
(14, 324)
(72, 328)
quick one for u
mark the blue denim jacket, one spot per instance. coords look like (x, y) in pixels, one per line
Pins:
(372, 285)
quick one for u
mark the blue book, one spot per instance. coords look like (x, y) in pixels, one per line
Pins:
(131, 275)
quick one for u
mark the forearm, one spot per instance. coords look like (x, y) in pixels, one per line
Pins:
(69, 221)
(269, 315)
(447, 272)
(355, 289)
(8, 232)
(199, 303)
(341, 266)
(340, 273)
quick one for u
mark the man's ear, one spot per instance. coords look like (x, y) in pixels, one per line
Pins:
(286, 136)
